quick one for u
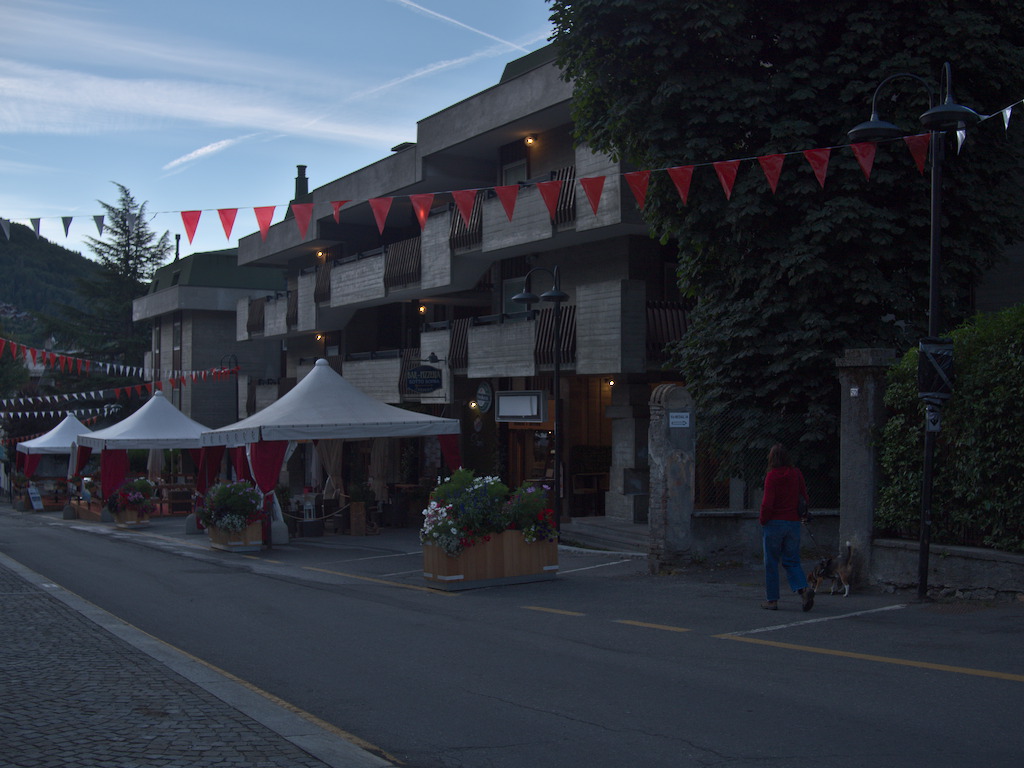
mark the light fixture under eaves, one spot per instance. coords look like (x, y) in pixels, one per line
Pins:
(530, 140)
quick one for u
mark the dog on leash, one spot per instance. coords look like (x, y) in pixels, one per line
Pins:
(840, 571)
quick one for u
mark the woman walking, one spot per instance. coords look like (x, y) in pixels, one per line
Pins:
(784, 487)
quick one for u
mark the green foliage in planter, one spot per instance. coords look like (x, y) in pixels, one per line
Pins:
(231, 506)
(978, 486)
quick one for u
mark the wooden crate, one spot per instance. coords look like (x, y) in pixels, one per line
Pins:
(506, 559)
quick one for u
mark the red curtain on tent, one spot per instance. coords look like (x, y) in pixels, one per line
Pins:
(19, 461)
(450, 450)
(82, 458)
(113, 470)
(241, 464)
(266, 458)
(31, 463)
(208, 465)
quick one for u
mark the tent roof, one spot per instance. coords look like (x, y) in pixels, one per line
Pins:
(325, 406)
(157, 424)
(58, 439)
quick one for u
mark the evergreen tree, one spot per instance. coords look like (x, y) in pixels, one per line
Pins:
(129, 255)
(782, 283)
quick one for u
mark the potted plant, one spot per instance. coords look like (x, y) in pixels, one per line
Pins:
(475, 533)
(233, 517)
(132, 504)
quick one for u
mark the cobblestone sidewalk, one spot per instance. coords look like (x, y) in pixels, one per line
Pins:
(74, 694)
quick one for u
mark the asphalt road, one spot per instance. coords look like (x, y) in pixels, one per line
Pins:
(604, 666)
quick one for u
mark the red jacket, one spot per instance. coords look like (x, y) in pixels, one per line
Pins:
(783, 487)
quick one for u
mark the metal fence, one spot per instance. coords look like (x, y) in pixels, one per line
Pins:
(732, 458)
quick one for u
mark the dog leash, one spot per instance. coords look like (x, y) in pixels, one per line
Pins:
(821, 552)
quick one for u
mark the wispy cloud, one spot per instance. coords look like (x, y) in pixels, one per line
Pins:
(457, 23)
(209, 149)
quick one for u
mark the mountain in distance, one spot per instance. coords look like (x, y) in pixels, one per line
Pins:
(39, 277)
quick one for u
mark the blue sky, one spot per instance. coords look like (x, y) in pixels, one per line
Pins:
(211, 104)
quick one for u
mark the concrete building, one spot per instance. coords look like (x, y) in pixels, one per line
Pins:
(192, 304)
(395, 303)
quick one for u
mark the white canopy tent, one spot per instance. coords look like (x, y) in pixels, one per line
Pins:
(157, 424)
(59, 440)
(323, 406)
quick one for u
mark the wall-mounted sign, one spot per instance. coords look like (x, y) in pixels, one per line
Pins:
(678, 419)
(484, 396)
(526, 406)
(423, 379)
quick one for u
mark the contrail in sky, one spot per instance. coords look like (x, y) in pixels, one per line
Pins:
(450, 20)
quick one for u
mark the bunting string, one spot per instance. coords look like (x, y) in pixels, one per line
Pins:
(592, 187)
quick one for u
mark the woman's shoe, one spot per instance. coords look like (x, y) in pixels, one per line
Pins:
(770, 605)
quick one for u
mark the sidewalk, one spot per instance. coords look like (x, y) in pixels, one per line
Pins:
(81, 688)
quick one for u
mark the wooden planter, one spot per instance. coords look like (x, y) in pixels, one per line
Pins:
(131, 517)
(506, 559)
(248, 540)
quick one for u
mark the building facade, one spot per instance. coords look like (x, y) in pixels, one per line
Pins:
(396, 286)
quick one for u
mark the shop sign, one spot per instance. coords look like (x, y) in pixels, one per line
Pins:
(423, 379)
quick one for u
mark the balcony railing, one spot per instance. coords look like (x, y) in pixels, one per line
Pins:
(666, 323)
(402, 263)
(257, 315)
(292, 313)
(545, 344)
(565, 211)
(462, 237)
(322, 290)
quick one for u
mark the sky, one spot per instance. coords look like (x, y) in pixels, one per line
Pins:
(211, 104)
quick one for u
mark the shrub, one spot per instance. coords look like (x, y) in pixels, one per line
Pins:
(978, 488)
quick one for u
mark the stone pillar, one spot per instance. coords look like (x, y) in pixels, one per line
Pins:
(862, 385)
(627, 494)
(671, 454)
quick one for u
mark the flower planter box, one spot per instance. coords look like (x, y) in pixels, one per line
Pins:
(131, 518)
(247, 540)
(506, 559)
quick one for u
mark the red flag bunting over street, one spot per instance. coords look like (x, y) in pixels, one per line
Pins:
(421, 207)
(865, 154)
(336, 205)
(191, 220)
(227, 220)
(302, 212)
(726, 172)
(818, 160)
(550, 190)
(464, 201)
(681, 176)
(772, 167)
(380, 206)
(637, 181)
(264, 215)
(592, 187)
(507, 195)
(918, 146)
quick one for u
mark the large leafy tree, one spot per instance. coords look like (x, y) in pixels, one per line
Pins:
(129, 253)
(783, 282)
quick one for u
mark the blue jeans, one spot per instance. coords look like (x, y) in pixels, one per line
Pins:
(782, 544)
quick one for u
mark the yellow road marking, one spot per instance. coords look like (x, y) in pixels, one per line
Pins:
(552, 610)
(416, 587)
(666, 627)
(880, 659)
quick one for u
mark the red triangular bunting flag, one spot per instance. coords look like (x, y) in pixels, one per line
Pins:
(191, 220)
(550, 190)
(726, 171)
(149, 387)
(464, 200)
(865, 154)
(78, 364)
(681, 176)
(159, 385)
(117, 393)
(3, 343)
(138, 390)
(98, 220)
(508, 195)
(380, 206)
(818, 159)
(637, 181)
(918, 146)
(421, 207)
(593, 186)
(264, 215)
(66, 221)
(227, 220)
(772, 167)
(34, 351)
(302, 212)
(336, 205)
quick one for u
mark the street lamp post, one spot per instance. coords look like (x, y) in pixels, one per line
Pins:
(556, 295)
(943, 114)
